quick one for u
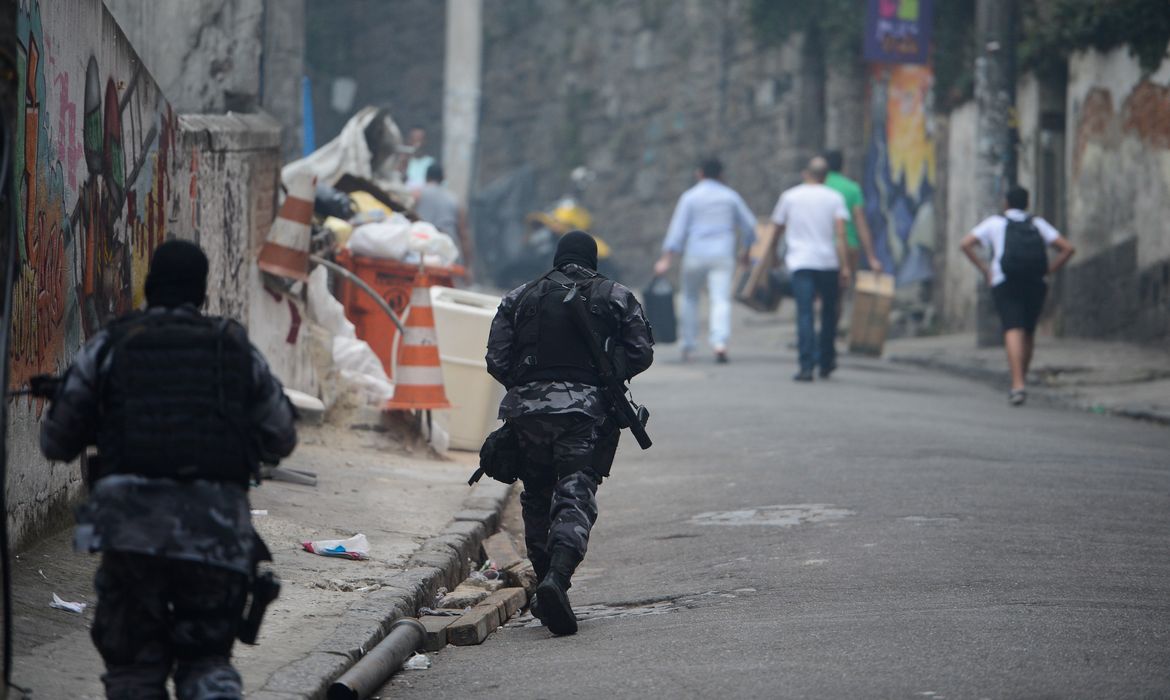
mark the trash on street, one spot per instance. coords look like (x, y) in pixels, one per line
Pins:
(356, 547)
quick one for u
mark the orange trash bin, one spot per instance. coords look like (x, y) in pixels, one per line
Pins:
(392, 279)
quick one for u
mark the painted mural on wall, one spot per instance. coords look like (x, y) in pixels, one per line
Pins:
(94, 163)
(899, 176)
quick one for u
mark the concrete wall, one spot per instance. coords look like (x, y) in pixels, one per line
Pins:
(1118, 198)
(105, 171)
(638, 91)
(957, 278)
(216, 56)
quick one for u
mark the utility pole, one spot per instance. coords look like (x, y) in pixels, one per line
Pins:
(461, 91)
(995, 128)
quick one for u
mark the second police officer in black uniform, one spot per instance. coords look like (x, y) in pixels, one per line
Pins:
(182, 409)
(555, 404)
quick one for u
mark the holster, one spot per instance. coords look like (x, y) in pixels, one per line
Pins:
(265, 588)
(499, 457)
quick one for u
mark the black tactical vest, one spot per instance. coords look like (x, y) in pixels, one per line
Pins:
(548, 346)
(175, 399)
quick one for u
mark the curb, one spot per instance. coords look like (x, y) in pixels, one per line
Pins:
(442, 561)
(1046, 396)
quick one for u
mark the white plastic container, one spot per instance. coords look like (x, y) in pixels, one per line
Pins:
(462, 322)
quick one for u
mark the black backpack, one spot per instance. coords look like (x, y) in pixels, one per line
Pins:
(1025, 253)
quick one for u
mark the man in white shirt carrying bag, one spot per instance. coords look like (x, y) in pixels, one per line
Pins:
(812, 216)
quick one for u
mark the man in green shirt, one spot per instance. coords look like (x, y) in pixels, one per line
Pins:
(857, 236)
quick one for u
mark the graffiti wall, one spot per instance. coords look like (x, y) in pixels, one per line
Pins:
(899, 176)
(97, 177)
(95, 167)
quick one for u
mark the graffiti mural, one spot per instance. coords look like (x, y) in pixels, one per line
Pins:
(899, 177)
(95, 161)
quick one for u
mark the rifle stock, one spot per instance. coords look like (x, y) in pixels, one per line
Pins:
(612, 385)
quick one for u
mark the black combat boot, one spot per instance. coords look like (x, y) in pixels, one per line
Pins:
(552, 596)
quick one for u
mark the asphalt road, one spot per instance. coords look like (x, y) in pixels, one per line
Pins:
(930, 542)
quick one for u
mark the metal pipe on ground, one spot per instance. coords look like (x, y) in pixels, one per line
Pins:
(372, 670)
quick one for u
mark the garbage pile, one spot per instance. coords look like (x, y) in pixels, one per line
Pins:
(361, 204)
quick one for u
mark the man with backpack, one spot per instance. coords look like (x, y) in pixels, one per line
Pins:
(565, 425)
(1019, 263)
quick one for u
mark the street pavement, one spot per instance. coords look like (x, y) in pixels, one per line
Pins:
(366, 484)
(1094, 375)
(893, 532)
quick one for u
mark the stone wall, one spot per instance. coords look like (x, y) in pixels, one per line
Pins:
(105, 172)
(638, 91)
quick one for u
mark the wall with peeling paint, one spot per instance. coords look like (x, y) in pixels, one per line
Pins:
(1118, 198)
(1095, 154)
(106, 171)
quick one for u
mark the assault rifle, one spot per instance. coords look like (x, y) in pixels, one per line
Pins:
(626, 413)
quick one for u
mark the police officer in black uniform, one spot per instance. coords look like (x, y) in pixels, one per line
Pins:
(182, 409)
(554, 402)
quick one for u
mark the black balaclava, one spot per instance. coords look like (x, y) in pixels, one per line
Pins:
(178, 275)
(576, 247)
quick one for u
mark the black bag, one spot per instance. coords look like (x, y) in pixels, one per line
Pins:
(767, 293)
(499, 457)
(1025, 253)
(659, 306)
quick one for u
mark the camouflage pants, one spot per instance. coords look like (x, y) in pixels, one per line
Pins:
(566, 457)
(155, 613)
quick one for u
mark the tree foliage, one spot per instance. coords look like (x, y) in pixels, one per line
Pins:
(1053, 29)
(1049, 31)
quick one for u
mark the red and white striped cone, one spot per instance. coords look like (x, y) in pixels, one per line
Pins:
(286, 252)
(418, 376)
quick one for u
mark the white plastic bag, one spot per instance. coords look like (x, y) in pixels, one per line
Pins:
(389, 239)
(356, 547)
(434, 246)
(325, 309)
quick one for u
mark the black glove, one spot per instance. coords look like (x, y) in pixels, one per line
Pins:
(44, 386)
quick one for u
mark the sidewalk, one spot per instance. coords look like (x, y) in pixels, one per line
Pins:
(1099, 376)
(422, 521)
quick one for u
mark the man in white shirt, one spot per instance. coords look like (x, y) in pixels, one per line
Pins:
(813, 217)
(1019, 264)
(703, 230)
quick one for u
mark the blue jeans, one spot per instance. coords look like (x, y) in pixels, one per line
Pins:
(807, 285)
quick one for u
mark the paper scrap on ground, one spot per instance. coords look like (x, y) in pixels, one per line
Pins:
(67, 605)
(356, 547)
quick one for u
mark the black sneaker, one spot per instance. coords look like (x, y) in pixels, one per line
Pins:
(826, 371)
(804, 375)
(557, 614)
(721, 357)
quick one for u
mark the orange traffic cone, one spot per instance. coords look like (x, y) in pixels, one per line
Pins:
(286, 252)
(418, 377)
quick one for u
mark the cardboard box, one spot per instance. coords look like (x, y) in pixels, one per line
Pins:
(873, 297)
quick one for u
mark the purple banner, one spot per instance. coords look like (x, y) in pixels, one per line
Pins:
(898, 31)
